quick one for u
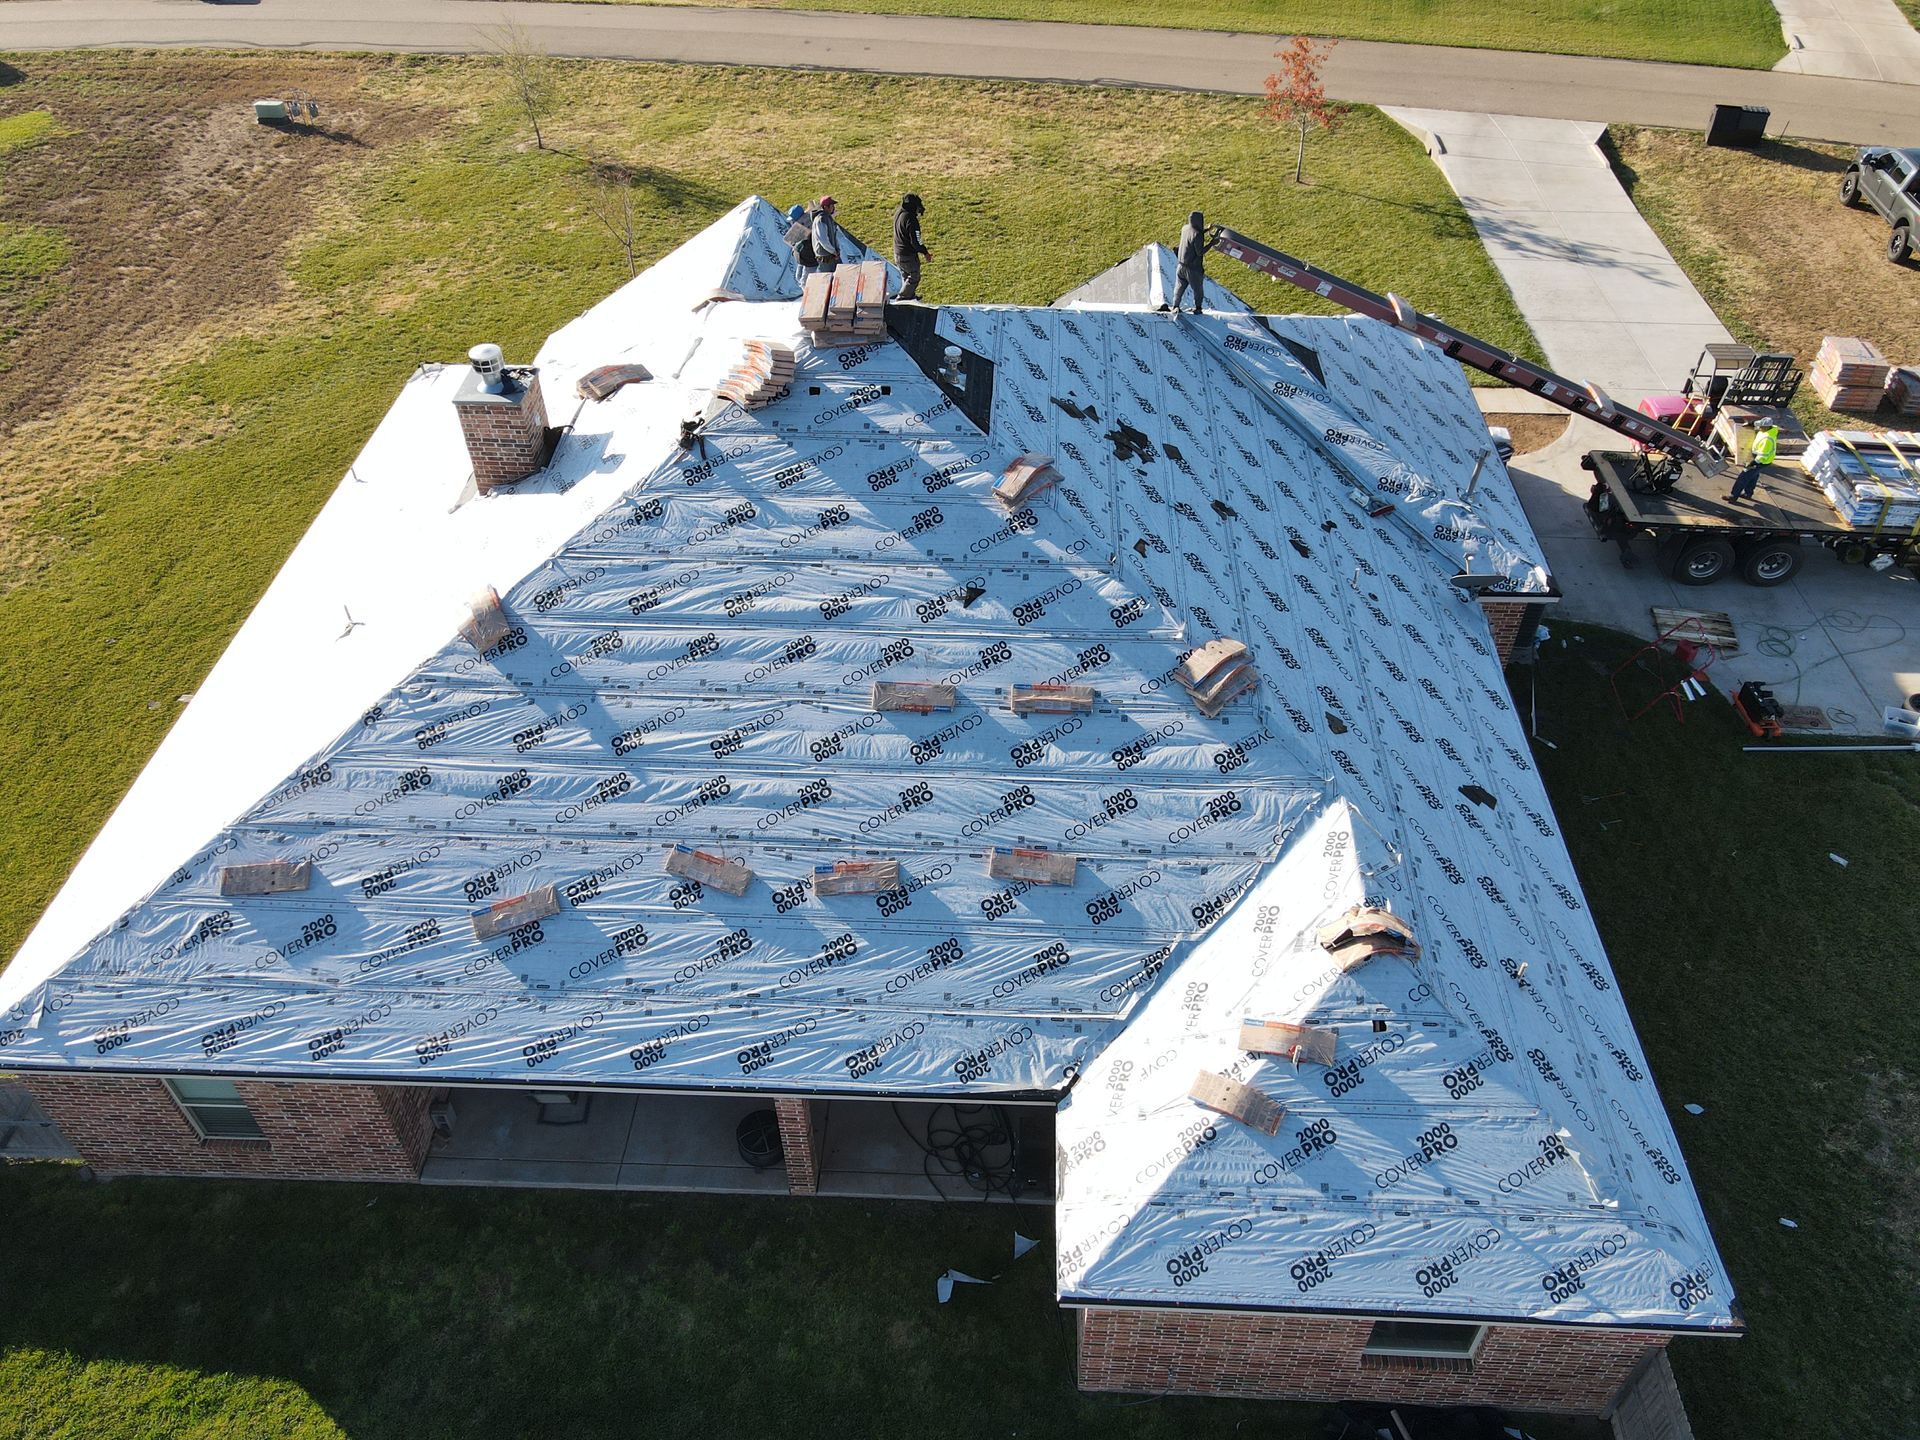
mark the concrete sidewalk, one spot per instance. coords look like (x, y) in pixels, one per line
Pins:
(1646, 93)
(1860, 39)
(1606, 300)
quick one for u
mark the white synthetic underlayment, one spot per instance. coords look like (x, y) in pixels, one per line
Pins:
(693, 666)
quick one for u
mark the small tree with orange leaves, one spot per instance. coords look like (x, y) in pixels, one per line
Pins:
(1296, 96)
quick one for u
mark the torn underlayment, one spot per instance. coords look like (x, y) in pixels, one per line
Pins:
(804, 764)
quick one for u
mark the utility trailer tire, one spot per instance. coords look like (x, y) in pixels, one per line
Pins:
(1769, 562)
(1850, 187)
(1899, 244)
(1702, 562)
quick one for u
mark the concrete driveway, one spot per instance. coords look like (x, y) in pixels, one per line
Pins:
(1865, 39)
(1841, 639)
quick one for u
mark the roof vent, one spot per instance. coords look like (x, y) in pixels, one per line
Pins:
(491, 366)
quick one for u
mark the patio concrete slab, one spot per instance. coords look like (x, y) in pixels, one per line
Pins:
(1854, 39)
(626, 1142)
(1606, 300)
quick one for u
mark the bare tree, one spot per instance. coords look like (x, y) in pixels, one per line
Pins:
(1296, 96)
(530, 74)
(610, 201)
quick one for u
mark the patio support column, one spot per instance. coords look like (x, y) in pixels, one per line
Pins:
(800, 1124)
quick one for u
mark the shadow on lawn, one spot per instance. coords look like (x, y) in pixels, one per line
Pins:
(409, 1312)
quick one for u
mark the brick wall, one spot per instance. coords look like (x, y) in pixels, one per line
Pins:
(506, 434)
(1509, 621)
(1316, 1358)
(800, 1143)
(130, 1125)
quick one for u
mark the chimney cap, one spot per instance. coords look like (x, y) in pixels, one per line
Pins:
(489, 364)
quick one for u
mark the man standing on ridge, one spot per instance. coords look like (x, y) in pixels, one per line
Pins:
(907, 246)
(1192, 260)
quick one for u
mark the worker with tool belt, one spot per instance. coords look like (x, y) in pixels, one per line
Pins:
(1766, 445)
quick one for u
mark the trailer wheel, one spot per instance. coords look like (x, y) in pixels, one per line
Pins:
(1850, 186)
(1852, 552)
(1899, 244)
(1703, 562)
(1770, 562)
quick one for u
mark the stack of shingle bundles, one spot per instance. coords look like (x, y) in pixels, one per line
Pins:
(1903, 389)
(1026, 477)
(1849, 374)
(1216, 672)
(762, 376)
(1872, 480)
(847, 305)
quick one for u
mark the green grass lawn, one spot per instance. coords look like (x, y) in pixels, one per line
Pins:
(155, 499)
(1743, 33)
(1763, 236)
(183, 1309)
(1761, 989)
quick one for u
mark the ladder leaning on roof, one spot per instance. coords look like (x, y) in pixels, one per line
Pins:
(1586, 400)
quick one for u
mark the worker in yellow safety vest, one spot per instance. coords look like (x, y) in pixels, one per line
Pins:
(1766, 445)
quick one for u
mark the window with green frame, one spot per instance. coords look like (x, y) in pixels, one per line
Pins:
(216, 1109)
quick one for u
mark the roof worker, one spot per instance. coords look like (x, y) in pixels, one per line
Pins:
(907, 245)
(1191, 258)
(799, 238)
(829, 240)
(1766, 445)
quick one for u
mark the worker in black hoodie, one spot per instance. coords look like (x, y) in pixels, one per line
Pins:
(1191, 258)
(907, 246)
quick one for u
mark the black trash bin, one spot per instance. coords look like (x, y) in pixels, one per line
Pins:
(1738, 126)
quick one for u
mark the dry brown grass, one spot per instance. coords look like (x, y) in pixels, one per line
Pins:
(1764, 236)
(1530, 431)
(178, 220)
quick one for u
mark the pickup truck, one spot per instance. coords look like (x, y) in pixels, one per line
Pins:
(1889, 181)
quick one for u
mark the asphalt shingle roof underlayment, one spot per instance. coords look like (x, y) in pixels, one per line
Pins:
(694, 666)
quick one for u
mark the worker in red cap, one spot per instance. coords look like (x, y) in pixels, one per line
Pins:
(828, 238)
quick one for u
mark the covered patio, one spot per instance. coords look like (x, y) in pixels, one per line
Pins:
(728, 1144)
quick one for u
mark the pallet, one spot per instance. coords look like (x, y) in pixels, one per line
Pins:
(1708, 627)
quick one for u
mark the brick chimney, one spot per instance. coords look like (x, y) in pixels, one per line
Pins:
(503, 418)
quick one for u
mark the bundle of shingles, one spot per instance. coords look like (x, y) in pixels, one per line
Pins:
(846, 305)
(1903, 389)
(763, 375)
(1026, 477)
(1214, 673)
(1849, 373)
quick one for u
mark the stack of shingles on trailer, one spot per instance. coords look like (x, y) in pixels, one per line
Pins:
(1849, 374)
(1872, 480)
(846, 305)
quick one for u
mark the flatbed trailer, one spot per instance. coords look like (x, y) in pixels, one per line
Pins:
(1701, 536)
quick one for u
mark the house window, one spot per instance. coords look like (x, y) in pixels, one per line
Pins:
(216, 1109)
(1424, 1339)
